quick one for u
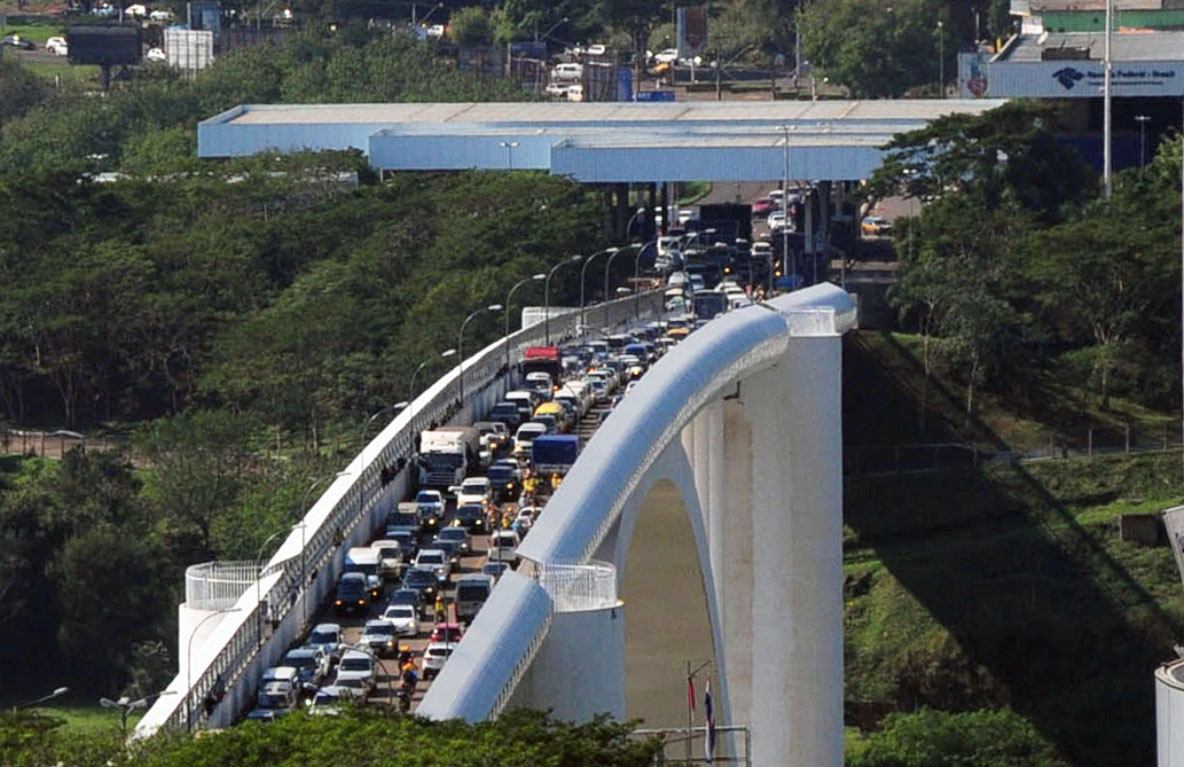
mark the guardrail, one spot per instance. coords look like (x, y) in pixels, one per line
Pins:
(575, 587)
(218, 585)
(306, 564)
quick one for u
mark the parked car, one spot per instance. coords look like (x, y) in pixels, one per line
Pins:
(557, 90)
(156, 54)
(403, 618)
(567, 73)
(668, 56)
(434, 658)
(57, 45)
(379, 635)
(16, 41)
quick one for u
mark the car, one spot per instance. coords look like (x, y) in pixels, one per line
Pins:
(434, 657)
(503, 547)
(508, 413)
(435, 561)
(327, 637)
(668, 56)
(596, 49)
(380, 636)
(471, 517)
(472, 589)
(448, 632)
(473, 490)
(875, 225)
(526, 517)
(160, 15)
(267, 714)
(57, 46)
(106, 10)
(156, 54)
(494, 436)
(557, 89)
(404, 619)
(461, 536)
(353, 594)
(503, 478)
(762, 206)
(412, 598)
(567, 73)
(451, 550)
(776, 221)
(429, 508)
(436, 31)
(356, 670)
(390, 558)
(525, 435)
(311, 663)
(423, 581)
(135, 9)
(408, 543)
(279, 687)
(575, 93)
(16, 41)
(327, 701)
(495, 569)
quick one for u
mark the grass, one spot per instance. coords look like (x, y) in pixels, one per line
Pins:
(90, 720)
(690, 192)
(66, 71)
(38, 32)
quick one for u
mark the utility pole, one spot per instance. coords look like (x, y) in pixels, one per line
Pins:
(1107, 64)
(941, 60)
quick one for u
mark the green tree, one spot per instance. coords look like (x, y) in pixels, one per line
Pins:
(471, 27)
(929, 738)
(20, 90)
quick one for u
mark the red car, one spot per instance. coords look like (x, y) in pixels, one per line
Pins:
(762, 206)
(452, 629)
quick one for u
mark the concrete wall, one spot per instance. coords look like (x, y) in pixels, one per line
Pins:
(1169, 714)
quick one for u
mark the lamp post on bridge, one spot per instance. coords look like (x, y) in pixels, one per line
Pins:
(510, 297)
(443, 355)
(637, 276)
(460, 345)
(584, 271)
(608, 267)
(189, 665)
(547, 295)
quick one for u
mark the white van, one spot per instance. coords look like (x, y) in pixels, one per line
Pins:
(279, 688)
(567, 73)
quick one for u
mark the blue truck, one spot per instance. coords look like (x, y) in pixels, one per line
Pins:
(554, 453)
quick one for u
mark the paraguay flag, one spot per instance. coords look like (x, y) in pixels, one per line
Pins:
(709, 745)
(690, 693)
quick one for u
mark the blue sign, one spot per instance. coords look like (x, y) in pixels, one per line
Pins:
(655, 96)
(789, 282)
(624, 84)
(528, 50)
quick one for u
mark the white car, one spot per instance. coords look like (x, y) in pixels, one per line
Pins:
(776, 221)
(596, 49)
(436, 31)
(161, 15)
(575, 93)
(569, 73)
(473, 490)
(503, 547)
(525, 436)
(557, 90)
(668, 56)
(136, 9)
(156, 54)
(356, 671)
(434, 658)
(57, 46)
(435, 561)
(403, 618)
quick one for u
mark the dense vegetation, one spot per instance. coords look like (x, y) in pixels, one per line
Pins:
(355, 738)
(239, 319)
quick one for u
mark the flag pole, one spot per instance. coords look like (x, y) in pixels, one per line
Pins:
(690, 709)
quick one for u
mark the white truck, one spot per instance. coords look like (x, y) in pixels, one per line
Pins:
(446, 455)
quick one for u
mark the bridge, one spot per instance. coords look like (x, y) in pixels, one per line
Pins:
(728, 450)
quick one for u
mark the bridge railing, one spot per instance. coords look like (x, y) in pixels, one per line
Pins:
(306, 565)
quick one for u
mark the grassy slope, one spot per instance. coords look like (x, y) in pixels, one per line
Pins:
(1006, 585)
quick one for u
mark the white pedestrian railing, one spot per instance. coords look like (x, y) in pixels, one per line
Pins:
(305, 566)
(573, 587)
(218, 585)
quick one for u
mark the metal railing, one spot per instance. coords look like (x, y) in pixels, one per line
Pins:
(218, 585)
(346, 503)
(574, 587)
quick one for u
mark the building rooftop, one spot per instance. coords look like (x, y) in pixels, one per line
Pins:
(1027, 7)
(1126, 45)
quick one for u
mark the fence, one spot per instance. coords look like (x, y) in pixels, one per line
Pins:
(683, 745)
(377, 474)
(55, 444)
(218, 585)
(574, 587)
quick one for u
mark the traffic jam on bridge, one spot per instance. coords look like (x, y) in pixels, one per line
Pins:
(404, 602)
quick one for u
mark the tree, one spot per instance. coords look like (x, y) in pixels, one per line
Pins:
(929, 738)
(470, 27)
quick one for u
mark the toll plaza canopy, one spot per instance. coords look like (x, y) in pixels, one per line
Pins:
(592, 142)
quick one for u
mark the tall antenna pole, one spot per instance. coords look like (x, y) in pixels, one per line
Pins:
(1107, 182)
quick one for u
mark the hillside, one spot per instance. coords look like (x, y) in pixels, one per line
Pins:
(1003, 585)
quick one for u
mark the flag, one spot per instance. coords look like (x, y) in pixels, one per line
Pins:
(709, 746)
(690, 693)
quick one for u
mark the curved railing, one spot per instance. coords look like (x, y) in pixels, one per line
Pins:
(315, 550)
(574, 587)
(218, 585)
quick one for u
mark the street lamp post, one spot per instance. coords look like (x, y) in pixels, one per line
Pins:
(608, 266)
(126, 706)
(785, 203)
(583, 272)
(189, 665)
(57, 693)
(1107, 64)
(637, 278)
(547, 295)
(941, 60)
(1142, 120)
(510, 297)
(460, 345)
(509, 146)
(443, 355)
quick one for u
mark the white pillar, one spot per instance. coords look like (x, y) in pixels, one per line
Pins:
(735, 608)
(713, 417)
(797, 686)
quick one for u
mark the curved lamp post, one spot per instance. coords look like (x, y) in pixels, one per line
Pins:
(414, 376)
(510, 297)
(584, 270)
(608, 266)
(637, 278)
(460, 345)
(189, 665)
(57, 693)
(547, 295)
(126, 706)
